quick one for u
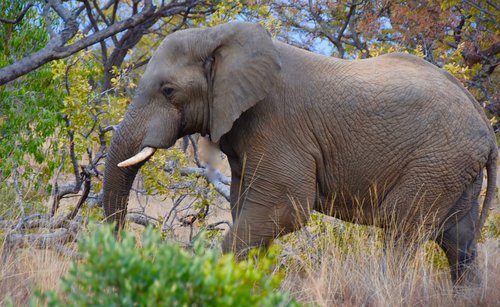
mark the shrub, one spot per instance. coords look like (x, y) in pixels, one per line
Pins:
(155, 273)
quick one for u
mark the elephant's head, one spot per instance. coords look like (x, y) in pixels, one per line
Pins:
(199, 80)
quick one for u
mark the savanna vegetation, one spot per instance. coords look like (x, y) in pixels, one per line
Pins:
(68, 70)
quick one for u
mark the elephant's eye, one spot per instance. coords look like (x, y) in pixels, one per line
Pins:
(167, 91)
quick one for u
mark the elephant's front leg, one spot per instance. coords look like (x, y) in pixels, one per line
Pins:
(270, 206)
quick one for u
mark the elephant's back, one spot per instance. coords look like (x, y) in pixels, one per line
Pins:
(420, 108)
(401, 87)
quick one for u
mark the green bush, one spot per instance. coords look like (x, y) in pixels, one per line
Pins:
(155, 273)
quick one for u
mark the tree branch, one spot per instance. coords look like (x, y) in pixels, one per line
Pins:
(143, 219)
(20, 16)
(55, 49)
(61, 235)
(213, 176)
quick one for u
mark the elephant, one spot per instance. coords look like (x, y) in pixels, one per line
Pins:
(391, 141)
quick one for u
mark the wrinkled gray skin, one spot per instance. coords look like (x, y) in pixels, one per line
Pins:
(390, 141)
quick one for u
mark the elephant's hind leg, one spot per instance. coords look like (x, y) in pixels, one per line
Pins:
(459, 245)
(458, 240)
(411, 213)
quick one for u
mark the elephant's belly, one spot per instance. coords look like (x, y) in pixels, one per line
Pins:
(355, 209)
(355, 194)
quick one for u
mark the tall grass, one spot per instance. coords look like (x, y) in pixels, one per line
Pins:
(326, 263)
(343, 264)
(28, 270)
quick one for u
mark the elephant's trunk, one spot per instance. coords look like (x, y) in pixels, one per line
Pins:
(118, 180)
(142, 131)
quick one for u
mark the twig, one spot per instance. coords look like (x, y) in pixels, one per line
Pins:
(195, 150)
(213, 226)
(19, 196)
(86, 190)
(176, 204)
(55, 201)
(20, 16)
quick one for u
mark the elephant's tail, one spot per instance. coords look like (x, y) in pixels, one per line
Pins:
(491, 169)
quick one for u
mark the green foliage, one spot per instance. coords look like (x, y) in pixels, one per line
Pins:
(230, 10)
(27, 36)
(346, 240)
(92, 213)
(225, 11)
(80, 102)
(28, 118)
(492, 229)
(29, 107)
(155, 273)
(324, 234)
(435, 255)
(162, 181)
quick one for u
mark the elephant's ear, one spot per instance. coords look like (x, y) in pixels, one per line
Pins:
(244, 69)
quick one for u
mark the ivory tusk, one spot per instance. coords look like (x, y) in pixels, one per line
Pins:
(145, 153)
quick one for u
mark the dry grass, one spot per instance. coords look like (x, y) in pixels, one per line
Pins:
(28, 270)
(322, 270)
(359, 273)
(328, 263)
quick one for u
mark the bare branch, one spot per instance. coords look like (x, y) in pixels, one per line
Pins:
(52, 232)
(56, 48)
(108, 128)
(100, 13)
(61, 11)
(195, 150)
(143, 219)
(115, 8)
(86, 191)
(324, 30)
(213, 176)
(93, 22)
(483, 10)
(60, 236)
(493, 5)
(141, 63)
(213, 226)
(357, 40)
(341, 31)
(72, 153)
(48, 20)
(63, 250)
(65, 231)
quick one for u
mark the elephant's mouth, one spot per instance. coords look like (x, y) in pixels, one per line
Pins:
(142, 155)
